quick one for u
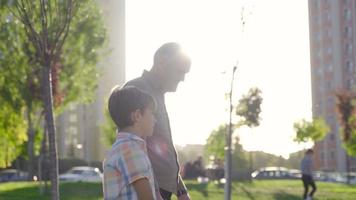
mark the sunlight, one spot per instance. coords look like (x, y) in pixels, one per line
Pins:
(272, 51)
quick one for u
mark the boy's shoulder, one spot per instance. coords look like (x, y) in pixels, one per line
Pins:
(127, 142)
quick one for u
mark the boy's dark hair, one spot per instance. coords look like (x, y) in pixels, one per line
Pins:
(124, 101)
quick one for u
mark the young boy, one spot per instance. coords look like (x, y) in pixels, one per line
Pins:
(127, 168)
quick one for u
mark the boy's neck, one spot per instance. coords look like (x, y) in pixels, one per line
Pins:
(132, 130)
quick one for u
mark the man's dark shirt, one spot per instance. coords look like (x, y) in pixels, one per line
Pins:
(160, 146)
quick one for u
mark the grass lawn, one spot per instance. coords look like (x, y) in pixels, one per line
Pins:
(257, 190)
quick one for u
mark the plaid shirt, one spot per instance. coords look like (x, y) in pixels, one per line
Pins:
(126, 162)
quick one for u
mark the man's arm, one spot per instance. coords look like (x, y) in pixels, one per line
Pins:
(143, 189)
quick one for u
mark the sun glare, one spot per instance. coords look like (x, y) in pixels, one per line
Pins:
(272, 52)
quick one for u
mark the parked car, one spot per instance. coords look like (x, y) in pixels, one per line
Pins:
(276, 173)
(8, 175)
(82, 174)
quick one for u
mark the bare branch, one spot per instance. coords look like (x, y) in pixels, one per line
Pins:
(31, 33)
(65, 29)
(44, 32)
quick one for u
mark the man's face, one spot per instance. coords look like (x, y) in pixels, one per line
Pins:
(175, 73)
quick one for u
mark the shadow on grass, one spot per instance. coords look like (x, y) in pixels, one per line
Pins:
(202, 188)
(285, 196)
(77, 191)
(26, 192)
(248, 193)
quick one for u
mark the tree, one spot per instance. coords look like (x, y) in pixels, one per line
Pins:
(108, 129)
(310, 131)
(47, 37)
(346, 110)
(12, 125)
(12, 133)
(249, 109)
(215, 146)
(216, 142)
(74, 82)
(351, 144)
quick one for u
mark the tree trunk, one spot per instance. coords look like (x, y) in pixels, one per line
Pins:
(41, 163)
(30, 143)
(251, 164)
(48, 105)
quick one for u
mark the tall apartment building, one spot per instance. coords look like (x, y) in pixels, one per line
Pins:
(332, 26)
(79, 127)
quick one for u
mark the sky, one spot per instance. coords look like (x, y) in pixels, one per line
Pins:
(270, 50)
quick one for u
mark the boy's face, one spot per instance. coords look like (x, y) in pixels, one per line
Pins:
(148, 122)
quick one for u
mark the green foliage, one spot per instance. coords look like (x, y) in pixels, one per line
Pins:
(310, 131)
(74, 76)
(215, 146)
(216, 142)
(77, 70)
(350, 145)
(109, 129)
(81, 53)
(12, 134)
(239, 157)
(249, 108)
(346, 108)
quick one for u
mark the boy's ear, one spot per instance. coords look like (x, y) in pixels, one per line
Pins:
(136, 116)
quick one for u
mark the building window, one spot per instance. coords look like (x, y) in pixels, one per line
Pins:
(347, 14)
(348, 32)
(349, 66)
(328, 33)
(332, 154)
(328, 85)
(316, 3)
(72, 107)
(317, 36)
(332, 137)
(317, 70)
(330, 119)
(322, 155)
(328, 50)
(328, 18)
(73, 118)
(349, 48)
(329, 67)
(349, 84)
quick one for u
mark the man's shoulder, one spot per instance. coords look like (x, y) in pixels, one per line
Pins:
(135, 82)
(141, 83)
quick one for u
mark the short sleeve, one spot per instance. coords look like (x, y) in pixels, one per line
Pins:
(133, 164)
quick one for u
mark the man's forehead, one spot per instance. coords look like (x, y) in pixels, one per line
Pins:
(182, 63)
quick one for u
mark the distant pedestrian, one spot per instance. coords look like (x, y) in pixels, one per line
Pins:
(306, 167)
(127, 169)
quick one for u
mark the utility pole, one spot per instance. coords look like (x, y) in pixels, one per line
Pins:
(228, 156)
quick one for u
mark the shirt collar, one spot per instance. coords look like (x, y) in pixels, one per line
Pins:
(120, 134)
(152, 80)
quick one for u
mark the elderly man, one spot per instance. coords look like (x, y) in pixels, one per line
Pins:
(170, 65)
